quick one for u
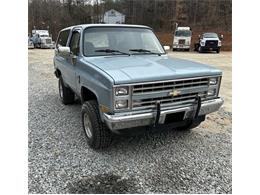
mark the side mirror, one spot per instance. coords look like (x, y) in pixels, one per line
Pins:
(199, 36)
(221, 37)
(64, 50)
(166, 48)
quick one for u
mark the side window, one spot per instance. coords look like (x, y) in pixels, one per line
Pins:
(62, 39)
(74, 43)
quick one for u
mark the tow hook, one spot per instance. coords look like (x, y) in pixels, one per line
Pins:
(198, 106)
(158, 113)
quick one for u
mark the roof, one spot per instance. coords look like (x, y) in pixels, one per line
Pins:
(114, 11)
(106, 25)
(209, 33)
(183, 28)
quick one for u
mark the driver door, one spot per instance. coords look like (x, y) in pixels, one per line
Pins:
(72, 59)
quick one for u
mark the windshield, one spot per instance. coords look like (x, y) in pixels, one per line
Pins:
(100, 41)
(210, 35)
(183, 33)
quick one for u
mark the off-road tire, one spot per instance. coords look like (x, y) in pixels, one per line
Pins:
(67, 96)
(101, 136)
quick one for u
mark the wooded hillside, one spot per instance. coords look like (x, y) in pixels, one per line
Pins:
(161, 15)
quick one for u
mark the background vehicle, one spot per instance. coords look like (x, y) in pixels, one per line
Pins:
(182, 38)
(30, 43)
(209, 42)
(41, 39)
(124, 83)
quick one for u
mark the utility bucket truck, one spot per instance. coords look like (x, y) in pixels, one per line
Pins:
(182, 39)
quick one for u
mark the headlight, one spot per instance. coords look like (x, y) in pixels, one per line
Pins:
(211, 92)
(202, 43)
(219, 43)
(121, 91)
(120, 104)
(213, 81)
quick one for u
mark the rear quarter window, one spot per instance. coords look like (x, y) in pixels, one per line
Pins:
(63, 38)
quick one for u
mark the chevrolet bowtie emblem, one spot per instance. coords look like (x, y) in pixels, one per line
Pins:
(174, 93)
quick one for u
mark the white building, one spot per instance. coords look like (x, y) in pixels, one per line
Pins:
(113, 17)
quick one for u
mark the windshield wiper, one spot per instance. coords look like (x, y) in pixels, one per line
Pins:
(112, 51)
(145, 51)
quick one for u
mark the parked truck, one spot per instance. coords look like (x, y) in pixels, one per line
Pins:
(124, 83)
(182, 38)
(42, 39)
(209, 42)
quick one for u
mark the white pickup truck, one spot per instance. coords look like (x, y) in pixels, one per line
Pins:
(209, 42)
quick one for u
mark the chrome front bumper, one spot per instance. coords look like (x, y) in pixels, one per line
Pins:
(134, 119)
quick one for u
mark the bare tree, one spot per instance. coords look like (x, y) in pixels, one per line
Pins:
(159, 14)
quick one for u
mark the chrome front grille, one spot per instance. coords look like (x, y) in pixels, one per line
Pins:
(181, 41)
(48, 41)
(169, 93)
(213, 43)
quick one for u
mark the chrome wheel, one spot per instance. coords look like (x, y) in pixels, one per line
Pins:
(60, 89)
(87, 125)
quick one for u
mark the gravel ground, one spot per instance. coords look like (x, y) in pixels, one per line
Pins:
(164, 161)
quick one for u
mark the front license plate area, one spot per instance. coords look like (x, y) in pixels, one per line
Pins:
(174, 117)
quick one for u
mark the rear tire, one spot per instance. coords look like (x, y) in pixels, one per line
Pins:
(97, 133)
(67, 96)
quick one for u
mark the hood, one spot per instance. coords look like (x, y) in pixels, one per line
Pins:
(145, 68)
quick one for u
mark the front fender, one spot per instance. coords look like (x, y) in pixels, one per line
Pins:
(98, 83)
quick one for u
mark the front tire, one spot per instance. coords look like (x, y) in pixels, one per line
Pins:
(218, 50)
(67, 96)
(97, 133)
